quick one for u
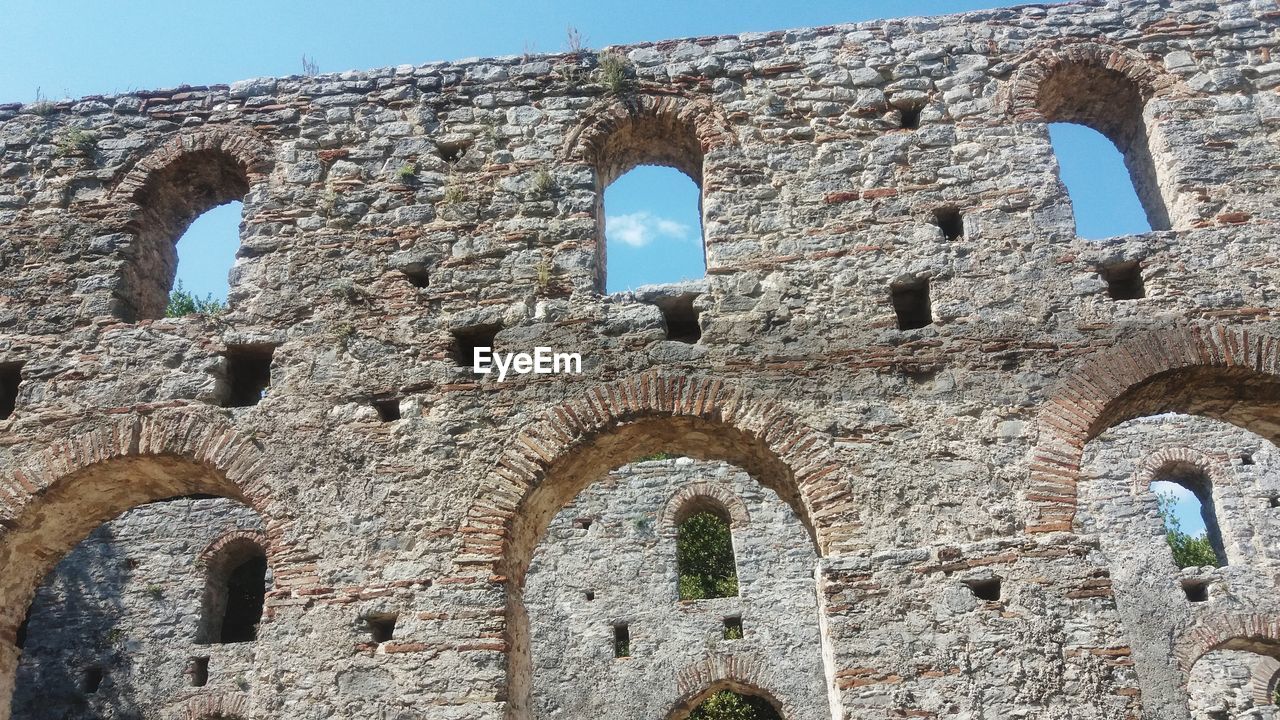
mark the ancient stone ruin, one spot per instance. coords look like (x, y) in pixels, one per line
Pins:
(929, 415)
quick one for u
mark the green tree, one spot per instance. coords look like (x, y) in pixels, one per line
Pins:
(729, 705)
(704, 556)
(1188, 551)
(183, 303)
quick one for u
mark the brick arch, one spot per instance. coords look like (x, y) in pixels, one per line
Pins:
(249, 150)
(695, 495)
(212, 706)
(1264, 674)
(1230, 373)
(578, 441)
(163, 193)
(1161, 461)
(229, 541)
(742, 674)
(665, 129)
(52, 498)
(1022, 96)
(1252, 632)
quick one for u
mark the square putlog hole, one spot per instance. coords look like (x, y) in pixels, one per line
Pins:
(248, 369)
(467, 339)
(1197, 591)
(987, 589)
(681, 319)
(381, 627)
(733, 628)
(911, 303)
(388, 409)
(950, 221)
(1124, 280)
(199, 671)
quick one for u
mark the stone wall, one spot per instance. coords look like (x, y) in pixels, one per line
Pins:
(388, 213)
(625, 558)
(128, 605)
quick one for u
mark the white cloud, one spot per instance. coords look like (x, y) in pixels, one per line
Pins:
(641, 228)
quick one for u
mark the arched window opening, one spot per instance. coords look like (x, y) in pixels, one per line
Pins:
(1111, 104)
(206, 254)
(704, 554)
(1102, 193)
(653, 229)
(730, 705)
(236, 584)
(169, 202)
(1185, 503)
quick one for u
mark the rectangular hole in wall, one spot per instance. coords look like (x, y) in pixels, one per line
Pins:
(1246, 459)
(381, 627)
(910, 298)
(1124, 280)
(950, 222)
(987, 589)
(199, 671)
(621, 641)
(10, 379)
(248, 369)
(590, 595)
(582, 523)
(733, 628)
(1197, 591)
(909, 117)
(417, 275)
(681, 319)
(388, 409)
(467, 339)
(92, 680)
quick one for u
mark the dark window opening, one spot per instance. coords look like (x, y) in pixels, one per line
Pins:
(681, 319)
(987, 589)
(1197, 591)
(248, 369)
(582, 523)
(950, 221)
(246, 593)
(1124, 280)
(910, 300)
(10, 379)
(590, 595)
(909, 117)
(704, 555)
(381, 627)
(466, 340)
(199, 671)
(733, 628)
(1275, 501)
(388, 409)
(621, 641)
(92, 680)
